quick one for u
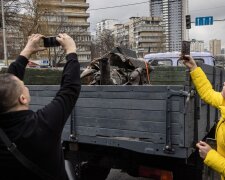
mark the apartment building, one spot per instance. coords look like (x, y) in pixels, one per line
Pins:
(215, 46)
(197, 46)
(173, 14)
(121, 34)
(148, 36)
(106, 24)
(71, 17)
(142, 34)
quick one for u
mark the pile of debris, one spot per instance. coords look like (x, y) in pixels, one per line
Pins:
(118, 67)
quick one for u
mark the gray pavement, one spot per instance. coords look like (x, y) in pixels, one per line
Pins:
(116, 174)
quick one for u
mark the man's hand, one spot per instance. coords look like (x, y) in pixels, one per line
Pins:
(67, 43)
(204, 148)
(189, 62)
(32, 45)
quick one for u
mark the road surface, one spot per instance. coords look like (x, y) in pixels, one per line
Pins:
(116, 174)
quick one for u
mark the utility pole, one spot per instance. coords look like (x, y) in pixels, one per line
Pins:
(4, 34)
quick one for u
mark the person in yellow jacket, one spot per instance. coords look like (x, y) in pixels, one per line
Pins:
(212, 158)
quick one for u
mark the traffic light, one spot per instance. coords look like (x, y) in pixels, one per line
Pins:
(188, 21)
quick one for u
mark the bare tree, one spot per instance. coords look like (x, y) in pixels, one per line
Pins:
(11, 10)
(32, 16)
(35, 18)
(104, 42)
(55, 54)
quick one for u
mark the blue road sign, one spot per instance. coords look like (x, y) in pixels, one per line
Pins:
(202, 21)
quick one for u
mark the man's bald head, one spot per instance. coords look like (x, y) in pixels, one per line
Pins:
(10, 90)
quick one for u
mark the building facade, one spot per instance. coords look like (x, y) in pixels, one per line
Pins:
(215, 46)
(173, 14)
(148, 36)
(71, 17)
(121, 34)
(197, 46)
(142, 34)
(106, 24)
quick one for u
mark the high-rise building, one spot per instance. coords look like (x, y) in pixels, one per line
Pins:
(173, 13)
(71, 17)
(215, 46)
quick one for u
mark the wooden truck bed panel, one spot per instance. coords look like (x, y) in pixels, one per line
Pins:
(130, 113)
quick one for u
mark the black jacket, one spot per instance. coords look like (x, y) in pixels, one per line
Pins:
(38, 134)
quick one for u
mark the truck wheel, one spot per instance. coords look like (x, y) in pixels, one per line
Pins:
(90, 172)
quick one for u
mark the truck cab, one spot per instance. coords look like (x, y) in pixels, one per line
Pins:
(172, 58)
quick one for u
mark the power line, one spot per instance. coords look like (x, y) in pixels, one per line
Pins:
(124, 5)
(207, 8)
(219, 20)
(132, 4)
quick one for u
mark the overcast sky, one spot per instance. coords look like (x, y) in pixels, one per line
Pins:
(197, 8)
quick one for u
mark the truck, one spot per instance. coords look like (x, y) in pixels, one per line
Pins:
(173, 58)
(147, 130)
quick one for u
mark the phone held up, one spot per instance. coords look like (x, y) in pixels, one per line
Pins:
(185, 48)
(50, 41)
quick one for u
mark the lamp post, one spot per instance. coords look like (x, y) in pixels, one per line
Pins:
(4, 34)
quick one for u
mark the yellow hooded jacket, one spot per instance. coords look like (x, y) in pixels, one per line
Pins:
(214, 159)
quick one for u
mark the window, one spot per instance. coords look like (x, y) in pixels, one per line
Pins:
(161, 62)
(198, 61)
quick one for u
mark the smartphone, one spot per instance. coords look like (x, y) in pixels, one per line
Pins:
(211, 142)
(50, 41)
(185, 48)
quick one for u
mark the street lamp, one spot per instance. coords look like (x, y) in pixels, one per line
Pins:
(4, 34)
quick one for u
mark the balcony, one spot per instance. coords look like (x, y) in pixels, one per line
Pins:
(69, 24)
(149, 29)
(74, 14)
(84, 43)
(64, 4)
(80, 5)
(85, 24)
(149, 40)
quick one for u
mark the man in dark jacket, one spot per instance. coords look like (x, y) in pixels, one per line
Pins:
(36, 134)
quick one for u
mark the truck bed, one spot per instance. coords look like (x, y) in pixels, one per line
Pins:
(153, 119)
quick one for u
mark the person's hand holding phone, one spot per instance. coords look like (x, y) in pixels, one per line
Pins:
(185, 48)
(67, 43)
(188, 61)
(33, 45)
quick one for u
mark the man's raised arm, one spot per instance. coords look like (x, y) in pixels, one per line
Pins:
(18, 67)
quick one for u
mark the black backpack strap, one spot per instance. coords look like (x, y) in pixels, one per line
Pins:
(22, 159)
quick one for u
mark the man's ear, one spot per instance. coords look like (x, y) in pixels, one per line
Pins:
(23, 100)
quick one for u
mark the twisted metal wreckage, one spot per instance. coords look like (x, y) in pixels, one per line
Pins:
(118, 67)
